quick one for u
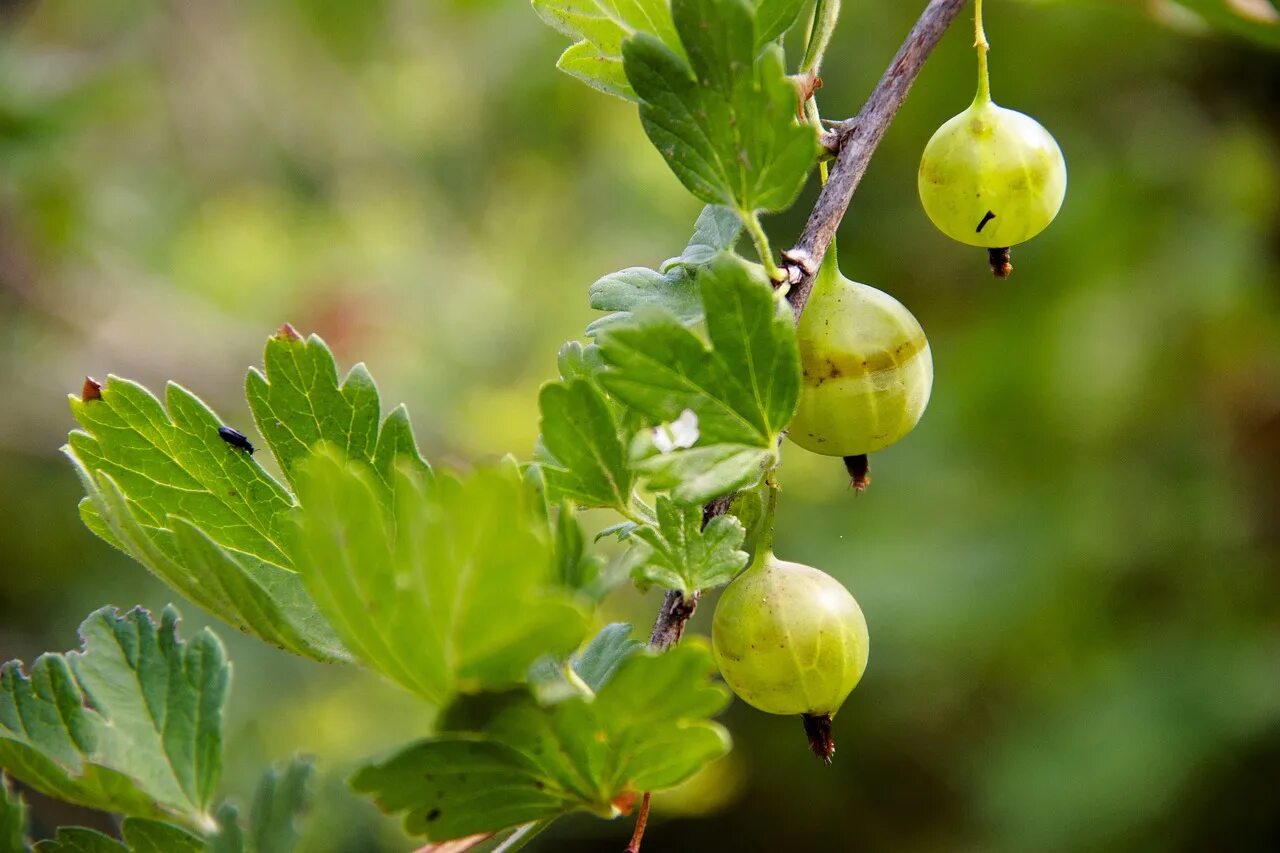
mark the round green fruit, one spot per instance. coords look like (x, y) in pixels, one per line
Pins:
(867, 368)
(789, 639)
(992, 177)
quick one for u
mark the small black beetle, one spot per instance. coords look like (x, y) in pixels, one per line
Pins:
(235, 439)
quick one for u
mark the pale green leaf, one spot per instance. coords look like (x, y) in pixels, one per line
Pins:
(674, 288)
(725, 121)
(775, 17)
(579, 569)
(453, 589)
(201, 515)
(743, 389)
(575, 361)
(131, 724)
(716, 230)
(598, 28)
(297, 401)
(13, 820)
(282, 796)
(598, 662)
(74, 839)
(683, 555)
(152, 836)
(582, 455)
(701, 474)
(647, 728)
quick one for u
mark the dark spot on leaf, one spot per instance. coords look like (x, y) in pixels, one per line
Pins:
(432, 815)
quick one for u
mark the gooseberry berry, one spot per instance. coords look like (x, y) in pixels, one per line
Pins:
(867, 368)
(790, 639)
(990, 176)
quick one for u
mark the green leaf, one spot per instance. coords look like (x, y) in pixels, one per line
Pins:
(575, 361)
(131, 724)
(229, 836)
(13, 820)
(283, 794)
(701, 474)
(597, 663)
(151, 836)
(635, 288)
(684, 556)
(201, 515)
(299, 402)
(646, 729)
(578, 568)
(598, 28)
(775, 17)
(725, 121)
(450, 589)
(140, 836)
(581, 452)
(553, 681)
(673, 289)
(743, 389)
(716, 230)
(74, 839)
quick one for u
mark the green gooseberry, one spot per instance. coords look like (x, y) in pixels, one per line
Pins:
(991, 177)
(867, 368)
(790, 639)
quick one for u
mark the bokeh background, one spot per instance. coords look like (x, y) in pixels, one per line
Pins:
(1071, 569)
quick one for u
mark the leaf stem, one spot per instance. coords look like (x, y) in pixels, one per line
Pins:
(761, 241)
(825, 15)
(981, 45)
(642, 821)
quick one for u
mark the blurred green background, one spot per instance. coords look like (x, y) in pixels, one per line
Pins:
(1071, 569)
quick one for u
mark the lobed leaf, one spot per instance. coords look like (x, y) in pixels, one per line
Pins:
(131, 724)
(681, 554)
(450, 589)
(297, 402)
(201, 515)
(775, 17)
(674, 289)
(13, 819)
(282, 795)
(599, 27)
(743, 388)
(646, 728)
(581, 453)
(725, 120)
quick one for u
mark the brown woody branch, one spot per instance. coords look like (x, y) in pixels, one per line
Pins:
(854, 141)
